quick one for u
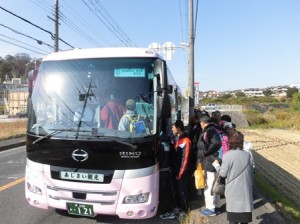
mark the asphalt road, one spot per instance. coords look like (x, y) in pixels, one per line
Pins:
(14, 208)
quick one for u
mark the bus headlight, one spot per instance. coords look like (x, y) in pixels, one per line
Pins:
(136, 199)
(34, 189)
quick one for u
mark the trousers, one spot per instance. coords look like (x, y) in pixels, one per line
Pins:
(211, 201)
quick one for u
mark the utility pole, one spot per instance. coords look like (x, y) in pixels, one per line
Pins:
(191, 59)
(56, 27)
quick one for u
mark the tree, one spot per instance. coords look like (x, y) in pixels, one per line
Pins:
(226, 96)
(296, 98)
(290, 92)
(15, 66)
(19, 65)
(268, 92)
(240, 94)
(5, 69)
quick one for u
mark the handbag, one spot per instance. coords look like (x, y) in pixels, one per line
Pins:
(199, 177)
(219, 186)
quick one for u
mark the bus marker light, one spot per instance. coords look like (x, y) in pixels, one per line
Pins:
(142, 213)
(130, 213)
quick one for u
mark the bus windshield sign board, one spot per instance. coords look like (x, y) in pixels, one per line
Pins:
(129, 72)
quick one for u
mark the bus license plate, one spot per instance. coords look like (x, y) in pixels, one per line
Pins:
(80, 209)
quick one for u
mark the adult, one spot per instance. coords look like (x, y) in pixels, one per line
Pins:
(229, 129)
(237, 169)
(182, 149)
(216, 118)
(131, 121)
(112, 112)
(208, 146)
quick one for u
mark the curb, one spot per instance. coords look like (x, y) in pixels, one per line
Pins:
(11, 144)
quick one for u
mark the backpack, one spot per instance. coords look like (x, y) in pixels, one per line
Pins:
(224, 142)
(136, 125)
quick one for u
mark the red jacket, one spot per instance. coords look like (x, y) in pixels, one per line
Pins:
(111, 114)
(183, 153)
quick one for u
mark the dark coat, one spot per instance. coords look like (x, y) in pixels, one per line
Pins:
(208, 146)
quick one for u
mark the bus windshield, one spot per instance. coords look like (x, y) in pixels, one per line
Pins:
(102, 97)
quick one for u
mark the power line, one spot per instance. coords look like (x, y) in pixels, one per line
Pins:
(78, 30)
(43, 6)
(118, 35)
(52, 35)
(183, 19)
(196, 18)
(24, 43)
(46, 7)
(22, 47)
(68, 8)
(116, 26)
(38, 41)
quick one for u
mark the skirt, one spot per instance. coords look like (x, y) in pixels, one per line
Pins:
(243, 217)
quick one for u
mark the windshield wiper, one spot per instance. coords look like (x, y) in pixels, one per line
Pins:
(134, 147)
(55, 132)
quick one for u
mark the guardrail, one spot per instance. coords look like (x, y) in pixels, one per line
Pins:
(225, 107)
(231, 107)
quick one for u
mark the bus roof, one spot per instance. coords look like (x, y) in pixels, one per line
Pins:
(113, 52)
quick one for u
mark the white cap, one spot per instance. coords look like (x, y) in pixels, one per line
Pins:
(228, 125)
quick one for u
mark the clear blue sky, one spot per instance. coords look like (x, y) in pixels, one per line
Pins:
(239, 43)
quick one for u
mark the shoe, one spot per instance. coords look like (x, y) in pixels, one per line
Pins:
(168, 215)
(218, 211)
(208, 212)
(176, 211)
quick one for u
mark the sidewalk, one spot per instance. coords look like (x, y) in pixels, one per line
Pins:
(12, 143)
(263, 212)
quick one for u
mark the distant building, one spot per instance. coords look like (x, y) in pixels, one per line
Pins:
(16, 81)
(253, 92)
(279, 90)
(17, 100)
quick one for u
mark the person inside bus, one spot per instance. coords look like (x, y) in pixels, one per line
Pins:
(131, 121)
(112, 112)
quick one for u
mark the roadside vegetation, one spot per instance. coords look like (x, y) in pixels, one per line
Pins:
(265, 112)
(283, 205)
(12, 129)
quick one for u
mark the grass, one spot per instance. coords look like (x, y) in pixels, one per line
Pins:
(12, 129)
(283, 205)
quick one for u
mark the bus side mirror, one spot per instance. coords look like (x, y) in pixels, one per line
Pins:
(170, 89)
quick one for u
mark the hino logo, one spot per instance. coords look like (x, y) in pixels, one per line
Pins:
(130, 154)
(80, 155)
